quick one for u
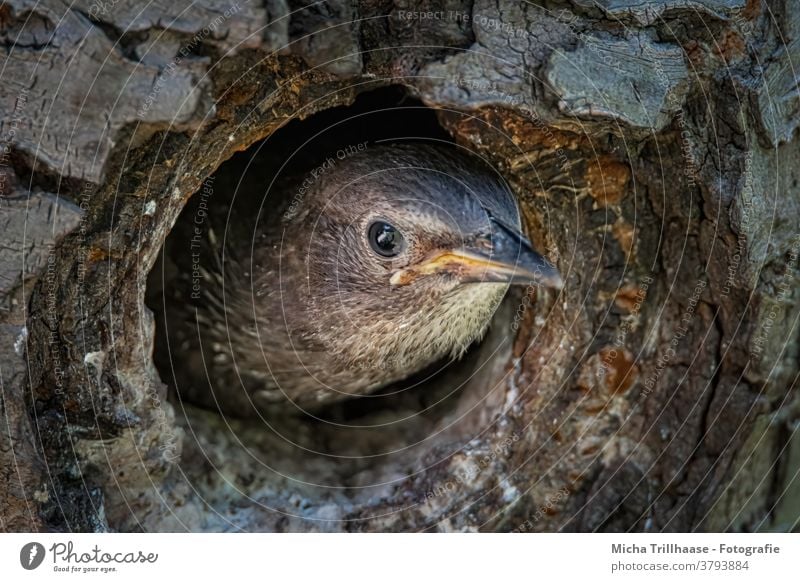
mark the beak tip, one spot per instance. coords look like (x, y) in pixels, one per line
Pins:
(551, 280)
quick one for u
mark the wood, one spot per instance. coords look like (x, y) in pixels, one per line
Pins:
(654, 152)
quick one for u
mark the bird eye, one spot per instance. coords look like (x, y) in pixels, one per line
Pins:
(385, 239)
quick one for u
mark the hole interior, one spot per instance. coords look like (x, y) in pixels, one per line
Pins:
(354, 451)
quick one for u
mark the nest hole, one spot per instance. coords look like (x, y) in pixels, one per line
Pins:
(356, 451)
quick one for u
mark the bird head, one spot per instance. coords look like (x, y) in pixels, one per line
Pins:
(409, 250)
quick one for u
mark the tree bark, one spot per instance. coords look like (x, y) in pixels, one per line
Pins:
(654, 153)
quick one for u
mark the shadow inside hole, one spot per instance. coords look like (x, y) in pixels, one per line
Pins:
(359, 445)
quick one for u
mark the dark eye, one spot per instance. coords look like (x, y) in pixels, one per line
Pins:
(385, 239)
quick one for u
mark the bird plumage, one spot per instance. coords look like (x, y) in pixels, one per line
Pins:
(295, 309)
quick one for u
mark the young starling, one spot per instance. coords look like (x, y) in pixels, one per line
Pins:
(378, 263)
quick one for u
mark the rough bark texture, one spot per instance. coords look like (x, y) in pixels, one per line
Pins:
(654, 151)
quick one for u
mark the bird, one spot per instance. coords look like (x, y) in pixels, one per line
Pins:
(370, 267)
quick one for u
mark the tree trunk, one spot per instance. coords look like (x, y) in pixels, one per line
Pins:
(654, 153)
